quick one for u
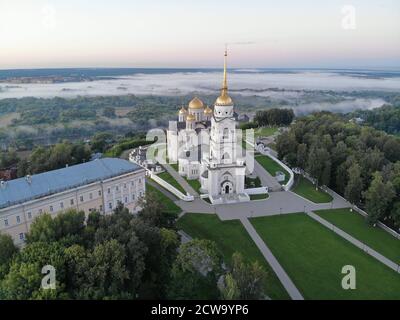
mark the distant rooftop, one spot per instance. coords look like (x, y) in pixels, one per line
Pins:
(39, 185)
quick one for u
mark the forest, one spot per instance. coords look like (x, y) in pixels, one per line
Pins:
(122, 256)
(359, 162)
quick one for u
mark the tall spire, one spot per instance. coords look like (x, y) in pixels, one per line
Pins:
(225, 82)
(224, 99)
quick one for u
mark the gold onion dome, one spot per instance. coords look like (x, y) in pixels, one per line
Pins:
(190, 117)
(208, 110)
(182, 111)
(196, 103)
(224, 99)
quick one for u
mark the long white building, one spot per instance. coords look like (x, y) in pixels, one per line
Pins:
(95, 185)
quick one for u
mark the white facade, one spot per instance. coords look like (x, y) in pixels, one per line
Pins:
(205, 145)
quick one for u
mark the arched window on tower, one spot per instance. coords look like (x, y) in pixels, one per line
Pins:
(225, 156)
(226, 133)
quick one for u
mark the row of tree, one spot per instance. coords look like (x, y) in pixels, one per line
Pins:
(386, 118)
(274, 117)
(122, 256)
(359, 162)
(43, 159)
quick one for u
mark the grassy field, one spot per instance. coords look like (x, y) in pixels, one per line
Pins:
(169, 204)
(259, 196)
(195, 184)
(230, 236)
(175, 166)
(271, 166)
(170, 179)
(355, 225)
(313, 257)
(303, 187)
(265, 131)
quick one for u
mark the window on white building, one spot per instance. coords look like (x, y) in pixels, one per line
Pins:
(51, 208)
(109, 190)
(29, 215)
(40, 211)
(126, 199)
(18, 219)
(21, 236)
(72, 202)
(110, 205)
(116, 188)
(99, 192)
(6, 222)
(61, 205)
(133, 197)
(81, 198)
(90, 196)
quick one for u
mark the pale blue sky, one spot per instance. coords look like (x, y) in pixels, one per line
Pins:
(182, 33)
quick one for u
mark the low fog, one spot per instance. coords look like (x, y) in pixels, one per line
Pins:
(280, 86)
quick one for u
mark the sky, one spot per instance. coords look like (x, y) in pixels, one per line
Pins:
(182, 33)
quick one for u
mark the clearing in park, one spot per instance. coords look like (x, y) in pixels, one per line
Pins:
(313, 256)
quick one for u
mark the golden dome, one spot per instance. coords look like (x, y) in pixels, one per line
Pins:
(224, 100)
(190, 117)
(196, 103)
(208, 110)
(182, 111)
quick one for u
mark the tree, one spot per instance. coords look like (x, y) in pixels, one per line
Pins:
(109, 112)
(395, 214)
(195, 271)
(248, 278)
(69, 224)
(355, 185)
(7, 251)
(102, 275)
(230, 289)
(378, 198)
(154, 212)
(23, 281)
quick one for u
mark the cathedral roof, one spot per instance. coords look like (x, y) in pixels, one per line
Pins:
(208, 110)
(196, 103)
(182, 110)
(190, 117)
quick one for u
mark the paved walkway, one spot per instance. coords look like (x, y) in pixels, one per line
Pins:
(281, 202)
(279, 271)
(185, 185)
(266, 179)
(354, 241)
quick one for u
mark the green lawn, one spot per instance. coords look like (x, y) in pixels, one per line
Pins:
(170, 179)
(195, 184)
(303, 187)
(271, 166)
(175, 166)
(230, 236)
(259, 196)
(313, 257)
(354, 224)
(169, 204)
(265, 131)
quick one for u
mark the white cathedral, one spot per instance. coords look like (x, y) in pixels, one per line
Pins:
(205, 144)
